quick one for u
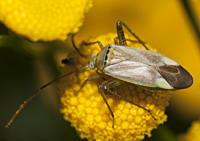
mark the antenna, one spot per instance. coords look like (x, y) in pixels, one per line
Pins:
(36, 92)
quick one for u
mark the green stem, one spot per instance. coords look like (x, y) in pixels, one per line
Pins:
(192, 17)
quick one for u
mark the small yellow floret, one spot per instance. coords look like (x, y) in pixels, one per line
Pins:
(192, 134)
(44, 20)
(91, 117)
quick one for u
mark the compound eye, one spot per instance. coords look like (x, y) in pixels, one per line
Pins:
(91, 66)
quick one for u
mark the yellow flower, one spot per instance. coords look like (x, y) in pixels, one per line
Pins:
(192, 134)
(44, 20)
(88, 113)
(166, 27)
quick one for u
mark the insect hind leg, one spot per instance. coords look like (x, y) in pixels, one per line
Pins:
(104, 98)
(119, 26)
(121, 36)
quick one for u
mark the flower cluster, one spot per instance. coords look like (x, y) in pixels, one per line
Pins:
(44, 20)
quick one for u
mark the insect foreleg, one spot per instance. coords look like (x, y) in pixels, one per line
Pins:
(119, 26)
(87, 44)
(74, 45)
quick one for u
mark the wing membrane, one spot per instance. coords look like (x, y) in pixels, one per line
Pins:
(176, 76)
(133, 72)
(140, 55)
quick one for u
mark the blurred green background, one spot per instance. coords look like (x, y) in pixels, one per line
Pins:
(26, 66)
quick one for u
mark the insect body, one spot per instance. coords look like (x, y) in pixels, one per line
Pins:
(150, 70)
(143, 67)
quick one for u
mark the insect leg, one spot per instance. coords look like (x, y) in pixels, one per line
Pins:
(116, 41)
(99, 88)
(115, 83)
(97, 42)
(121, 36)
(134, 41)
(74, 45)
(119, 26)
(88, 79)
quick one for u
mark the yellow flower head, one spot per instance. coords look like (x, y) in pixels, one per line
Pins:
(88, 113)
(192, 134)
(44, 20)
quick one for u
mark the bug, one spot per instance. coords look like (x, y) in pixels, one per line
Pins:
(142, 67)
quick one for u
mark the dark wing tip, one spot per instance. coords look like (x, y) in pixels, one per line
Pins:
(176, 76)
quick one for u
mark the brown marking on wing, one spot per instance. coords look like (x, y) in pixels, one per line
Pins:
(176, 76)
